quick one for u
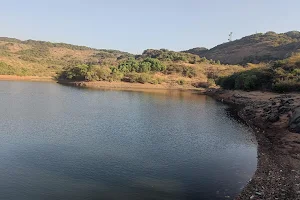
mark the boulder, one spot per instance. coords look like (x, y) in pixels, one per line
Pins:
(294, 124)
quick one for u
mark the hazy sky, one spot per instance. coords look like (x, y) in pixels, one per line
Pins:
(135, 25)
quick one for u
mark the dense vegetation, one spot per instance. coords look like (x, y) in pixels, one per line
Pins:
(279, 76)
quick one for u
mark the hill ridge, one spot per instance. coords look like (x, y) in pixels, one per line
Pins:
(255, 48)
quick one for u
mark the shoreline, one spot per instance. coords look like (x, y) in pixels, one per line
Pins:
(26, 78)
(128, 86)
(278, 169)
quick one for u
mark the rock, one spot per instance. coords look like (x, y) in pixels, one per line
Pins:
(259, 193)
(290, 101)
(294, 124)
(237, 95)
(273, 117)
(284, 109)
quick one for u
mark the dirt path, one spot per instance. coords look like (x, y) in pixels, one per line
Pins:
(278, 170)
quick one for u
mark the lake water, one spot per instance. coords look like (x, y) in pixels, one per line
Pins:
(59, 142)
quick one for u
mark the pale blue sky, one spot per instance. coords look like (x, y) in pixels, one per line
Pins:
(135, 25)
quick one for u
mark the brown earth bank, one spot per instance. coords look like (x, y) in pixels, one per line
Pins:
(25, 78)
(127, 85)
(278, 171)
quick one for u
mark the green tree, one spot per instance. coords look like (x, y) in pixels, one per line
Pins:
(130, 65)
(144, 66)
(78, 72)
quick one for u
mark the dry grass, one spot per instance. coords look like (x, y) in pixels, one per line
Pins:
(294, 58)
(58, 52)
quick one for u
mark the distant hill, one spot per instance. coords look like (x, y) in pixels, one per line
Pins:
(254, 48)
(41, 58)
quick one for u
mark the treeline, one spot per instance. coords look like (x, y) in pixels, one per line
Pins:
(167, 55)
(130, 70)
(279, 76)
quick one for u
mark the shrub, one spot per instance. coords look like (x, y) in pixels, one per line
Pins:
(157, 80)
(174, 68)
(189, 72)
(91, 76)
(131, 77)
(116, 76)
(155, 64)
(280, 63)
(130, 65)
(6, 69)
(181, 82)
(78, 73)
(296, 72)
(286, 86)
(153, 81)
(211, 82)
(227, 82)
(253, 79)
(137, 77)
(144, 66)
(246, 82)
(143, 78)
(103, 73)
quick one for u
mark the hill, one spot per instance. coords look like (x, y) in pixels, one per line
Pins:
(254, 48)
(41, 58)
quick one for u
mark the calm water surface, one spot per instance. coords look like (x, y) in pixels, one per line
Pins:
(60, 142)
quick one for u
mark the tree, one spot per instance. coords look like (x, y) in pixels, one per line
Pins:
(77, 73)
(144, 66)
(130, 65)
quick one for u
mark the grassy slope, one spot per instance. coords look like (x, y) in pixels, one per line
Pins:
(46, 59)
(254, 48)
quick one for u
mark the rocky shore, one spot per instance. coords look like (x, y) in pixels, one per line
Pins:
(275, 118)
